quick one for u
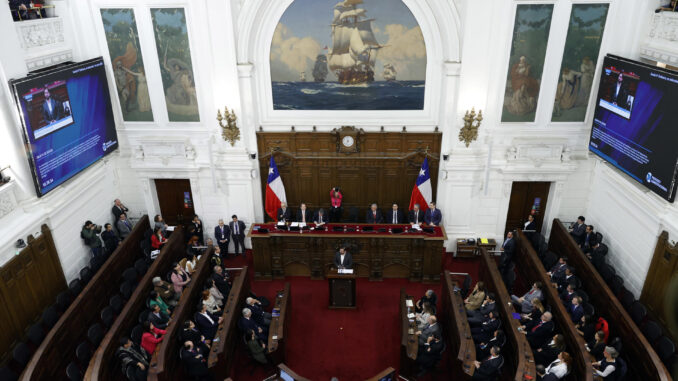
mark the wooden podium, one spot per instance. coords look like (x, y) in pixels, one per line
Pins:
(342, 290)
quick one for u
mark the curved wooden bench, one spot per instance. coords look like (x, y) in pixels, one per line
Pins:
(58, 349)
(455, 326)
(104, 365)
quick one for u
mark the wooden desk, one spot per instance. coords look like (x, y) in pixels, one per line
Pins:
(377, 255)
(342, 290)
(103, 365)
(466, 250)
(278, 327)
(532, 270)
(519, 359)
(289, 371)
(455, 326)
(382, 374)
(222, 353)
(58, 347)
(644, 363)
(409, 343)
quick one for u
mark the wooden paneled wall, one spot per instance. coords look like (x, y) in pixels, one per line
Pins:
(29, 283)
(660, 291)
(384, 170)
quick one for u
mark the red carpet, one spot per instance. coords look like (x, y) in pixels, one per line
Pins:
(348, 344)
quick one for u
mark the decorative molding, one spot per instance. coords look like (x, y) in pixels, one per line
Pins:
(51, 59)
(7, 199)
(538, 154)
(660, 42)
(41, 33)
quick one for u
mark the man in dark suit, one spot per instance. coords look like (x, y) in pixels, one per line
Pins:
(576, 310)
(485, 331)
(415, 216)
(477, 317)
(194, 362)
(260, 316)
(51, 108)
(304, 214)
(207, 322)
(530, 224)
(428, 357)
(488, 368)
(238, 234)
(620, 93)
(124, 226)
(578, 229)
(508, 248)
(222, 234)
(284, 213)
(374, 215)
(590, 240)
(246, 323)
(567, 279)
(159, 318)
(432, 327)
(395, 216)
(538, 332)
(118, 209)
(557, 272)
(568, 294)
(320, 217)
(433, 216)
(343, 259)
(220, 279)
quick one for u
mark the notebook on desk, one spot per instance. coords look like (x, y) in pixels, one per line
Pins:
(368, 228)
(337, 229)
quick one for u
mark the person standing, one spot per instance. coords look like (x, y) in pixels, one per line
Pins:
(89, 233)
(124, 226)
(238, 234)
(118, 209)
(222, 234)
(335, 200)
(343, 259)
(197, 224)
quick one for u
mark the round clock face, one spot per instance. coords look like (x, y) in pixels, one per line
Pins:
(347, 141)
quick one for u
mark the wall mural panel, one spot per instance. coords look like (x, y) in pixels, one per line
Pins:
(350, 55)
(122, 38)
(584, 35)
(526, 63)
(176, 67)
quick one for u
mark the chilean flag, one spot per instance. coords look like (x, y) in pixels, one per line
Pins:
(275, 191)
(422, 194)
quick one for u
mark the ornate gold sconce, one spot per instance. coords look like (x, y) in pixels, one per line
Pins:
(230, 132)
(469, 132)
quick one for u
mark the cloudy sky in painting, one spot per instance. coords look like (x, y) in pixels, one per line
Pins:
(304, 31)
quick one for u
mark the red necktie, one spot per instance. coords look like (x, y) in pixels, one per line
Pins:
(374, 215)
(537, 326)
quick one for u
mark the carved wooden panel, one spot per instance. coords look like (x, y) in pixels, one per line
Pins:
(660, 291)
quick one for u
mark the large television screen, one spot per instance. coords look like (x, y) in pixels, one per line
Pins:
(67, 120)
(635, 123)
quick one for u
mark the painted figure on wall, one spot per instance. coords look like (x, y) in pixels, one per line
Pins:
(352, 57)
(128, 66)
(174, 54)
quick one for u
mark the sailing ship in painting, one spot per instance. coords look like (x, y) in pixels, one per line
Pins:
(389, 72)
(320, 69)
(354, 46)
(302, 76)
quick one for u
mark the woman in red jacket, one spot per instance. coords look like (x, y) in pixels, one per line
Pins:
(151, 337)
(335, 209)
(157, 239)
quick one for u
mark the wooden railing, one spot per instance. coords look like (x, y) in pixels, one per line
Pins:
(456, 327)
(104, 366)
(58, 348)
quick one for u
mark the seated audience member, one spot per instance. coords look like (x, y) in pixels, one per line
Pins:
(568, 294)
(586, 327)
(431, 328)
(343, 259)
(197, 224)
(476, 317)
(89, 234)
(548, 353)
(214, 291)
(557, 273)
(216, 257)
(568, 278)
(422, 317)
(210, 302)
(589, 240)
(209, 242)
(155, 299)
(497, 340)
(429, 297)
(220, 279)
(110, 238)
(191, 263)
(415, 216)
(524, 303)
(179, 278)
(485, 331)
(597, 346)
(578, 229)
(258, 314)
(395, 216)
(190, 333)
(158, 318)
(576, 309)
(373, 215)
(131, 355)
(597, 253)
(475, 299)
(166, 291)
(320, 218)
(601, 325)
(429, 355)
(195, 362)
(159, 223)
(158, 239)
(539, 332)
(151, 337)
(247, 323)
(193, 244)
(607, 367)
(118, 209)
(535, 314)
(488, 369)
(256, 347)
(284, 214)
(432, 216)
(207, 322)
(304, 214)
(124, 226)
(558, 368)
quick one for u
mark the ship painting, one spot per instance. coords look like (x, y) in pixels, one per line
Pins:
(389, 72)
(320, 69)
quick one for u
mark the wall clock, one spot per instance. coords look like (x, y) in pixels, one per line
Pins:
(347, 139)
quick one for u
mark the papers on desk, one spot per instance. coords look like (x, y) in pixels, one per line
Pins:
(345, 271)
(409, 303)
(410, 316)
(281, 223)
(302, 224)
(416, 226)
(294, 224)
(484, 241)
(170, 228)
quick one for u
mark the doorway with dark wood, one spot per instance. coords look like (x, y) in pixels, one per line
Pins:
(176, 201)
(527, 198)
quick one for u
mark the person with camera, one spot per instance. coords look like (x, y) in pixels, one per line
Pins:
(335, 209)
(90, 234)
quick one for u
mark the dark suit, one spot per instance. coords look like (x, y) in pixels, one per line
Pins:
(567, 297)
(428, 331)
(239, 237)
(547, 355)
(160, 321)
(621, 97)
(509, 247)
(415, 217)
(117, 211)
(259, 315)
(558, 272)
(578, 231)
(307, 213)
(588, 242)
(207, 328)
(538, 334)
(222, 233)
(433, 216)
(488, 369)
(429, 355)
(54, 113)
(198, 231)
(221, 281)
(486, 330)
(284, 215)
(250, 324)
(195, 363)
(374, 217)
(399, 217)
(576, 313)
(531, 226)
(476, 317)
(317, 218)
(348, 260)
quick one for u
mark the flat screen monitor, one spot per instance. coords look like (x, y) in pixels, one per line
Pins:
(67, 120)
(285, 376)
(634, 125)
